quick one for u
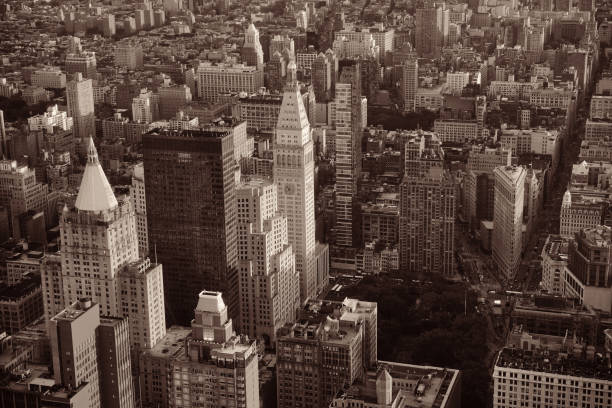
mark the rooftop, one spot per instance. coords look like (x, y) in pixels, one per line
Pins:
(555, 362)
(556, 247)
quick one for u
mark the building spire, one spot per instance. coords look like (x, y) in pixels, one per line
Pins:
(95, 192)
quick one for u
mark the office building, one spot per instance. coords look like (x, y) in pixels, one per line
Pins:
(173, 99)
(137, 194)
(479, 182)
(214, 80)
(52, 119)
(97, 220)
(145, 107)
(21, 304)
(294, 178)
(228, 363)
(557, 371)
(73, 348)
(79, 97)
(20, 193)
(349, 131)
(269, 288)
(554, 261)
(579, 211)
(427, 209)
(456, 81)
(195, 240)
(431, 24)
(49, 78)
(114, 364)
(399, 385)
(321, 78)
(252, 52)
(92, 351)
(81, 61)
(280, 43)
(506, 242)
(410, 83)
(342, 332)
(142, 302)
(588, 275)
(129, 56)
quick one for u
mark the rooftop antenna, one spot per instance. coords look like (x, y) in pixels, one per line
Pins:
(155, 250)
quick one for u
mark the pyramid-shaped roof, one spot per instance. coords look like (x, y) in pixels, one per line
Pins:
(292, 112)
(95, 193)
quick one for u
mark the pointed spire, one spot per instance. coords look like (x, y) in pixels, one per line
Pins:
(292, 115)
(95, 193)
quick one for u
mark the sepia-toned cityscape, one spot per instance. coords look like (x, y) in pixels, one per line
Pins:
(305, 204)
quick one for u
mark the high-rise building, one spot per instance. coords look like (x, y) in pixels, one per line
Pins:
(349, 130)
(92, 351)
(129, 56)
(588, 276)
(479, 182)
(172, 99)
(294, 178)
(137, 194)
(209, 365)
(20, 193)
(145, 107)
(81, 61)
(506, 242)
(51, 119)
(252, 52)
(80, 101)
(269, 288)
(98, 239)
(114, 362)
(142, 302)
(554, 261)
(427, 209)
(321, 78)
(191, 212)
(410, 83)
(73, 347)
(280, 43)
(555, 371)
(214, 80)
(99, 260)
(429, 32)
(275, 72)
(342, 333)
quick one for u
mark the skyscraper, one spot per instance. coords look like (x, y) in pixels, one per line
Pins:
(427, 209)
(506, 242)
(321, 77)
(252, 52)
(191, 211)
(80, 100)
(145, 107)
(138, 196)
(410, 83)
(269, 288)
(429, 32)
(348, 153)
(294, 178)
(98, 239)
(73, 348)
(81, 61)
(92, 351)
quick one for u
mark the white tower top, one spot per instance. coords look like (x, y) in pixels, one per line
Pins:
(95, 193)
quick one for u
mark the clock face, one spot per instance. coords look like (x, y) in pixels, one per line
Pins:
(289, 188)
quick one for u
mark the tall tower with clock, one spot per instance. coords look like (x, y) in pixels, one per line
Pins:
(294, 178)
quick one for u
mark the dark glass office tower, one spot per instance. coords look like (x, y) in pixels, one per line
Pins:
(191, 215)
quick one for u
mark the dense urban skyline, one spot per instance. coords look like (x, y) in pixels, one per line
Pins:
(305, 204)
